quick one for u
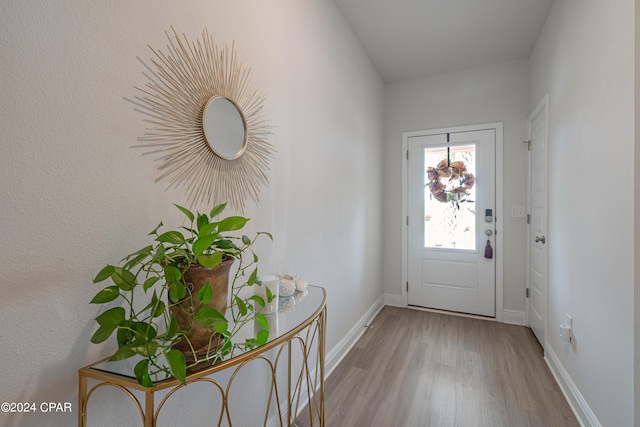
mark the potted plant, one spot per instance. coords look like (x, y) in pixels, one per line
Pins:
(174, 293)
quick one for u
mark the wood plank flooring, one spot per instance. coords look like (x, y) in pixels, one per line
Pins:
(417, 368)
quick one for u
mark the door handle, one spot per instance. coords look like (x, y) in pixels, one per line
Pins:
(541, 239)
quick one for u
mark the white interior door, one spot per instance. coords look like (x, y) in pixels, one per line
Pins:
(451, 220)
(538, 252)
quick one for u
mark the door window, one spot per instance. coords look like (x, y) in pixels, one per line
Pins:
(449, 197)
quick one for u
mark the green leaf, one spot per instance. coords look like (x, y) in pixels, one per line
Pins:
(152, 303)
(115, 315)
(210, 228)
(262, 337)
(177, 292)
(106, 295)
(159, 255)
(174, 237)
(104, 331)
(241, 305)
(203, 243)
(143, 332)
(142, 373)
(172, 328)
(208, 316)
(150, 282)
(266, 234)
(124, 336)
(221, 327)
(270, 295)
(177, 364)
(210, 260)
(146, 350)
(104, 274)
(134, 261)
(226, 347)
(155, 231)
(172, 274)
(258, 299)
(252, 278)
(124, 279)
(136, 257)
(246, 240)
(144, 251)
(185, 211)
(217, 210)
(225, 244)
(205, 294)
(159, 309)
(249, 344)
(232, 223)
(262, 321)
(179, 254)
(202, 221)
(124, 352)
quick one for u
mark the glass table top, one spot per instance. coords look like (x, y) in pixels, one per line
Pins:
(293, 312)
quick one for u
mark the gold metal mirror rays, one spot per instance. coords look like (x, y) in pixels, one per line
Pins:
(181, 83)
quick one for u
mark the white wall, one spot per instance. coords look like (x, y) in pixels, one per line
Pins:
(76, 196)
(584, 60)
(495, 93)
(636, 242)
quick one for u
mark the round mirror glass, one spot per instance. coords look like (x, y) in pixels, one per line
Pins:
(224, 128)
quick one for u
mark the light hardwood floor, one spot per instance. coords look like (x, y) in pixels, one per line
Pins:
(417, 368)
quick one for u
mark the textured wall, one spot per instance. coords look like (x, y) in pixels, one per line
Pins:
(76, 196)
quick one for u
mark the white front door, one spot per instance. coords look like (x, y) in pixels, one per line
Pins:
(537, 274)
(451, 221)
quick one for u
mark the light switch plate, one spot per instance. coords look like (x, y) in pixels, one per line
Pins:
(517, 211)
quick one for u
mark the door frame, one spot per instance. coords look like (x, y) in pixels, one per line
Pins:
(498, 249)
(543, 105)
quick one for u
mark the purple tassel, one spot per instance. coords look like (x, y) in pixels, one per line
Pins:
(488, 250)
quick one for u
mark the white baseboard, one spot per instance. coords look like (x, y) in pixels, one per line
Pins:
(340, 350)
(576, 401)
(514, 317)
(393, 300)
(335, 355)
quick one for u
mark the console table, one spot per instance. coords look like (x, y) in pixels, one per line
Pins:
(297, 338)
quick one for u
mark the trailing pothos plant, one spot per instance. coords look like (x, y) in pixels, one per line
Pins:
(151, 279)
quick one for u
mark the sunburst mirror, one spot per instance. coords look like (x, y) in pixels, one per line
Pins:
(205, 122)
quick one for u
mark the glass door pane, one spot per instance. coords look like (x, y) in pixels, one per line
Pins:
(450, 197)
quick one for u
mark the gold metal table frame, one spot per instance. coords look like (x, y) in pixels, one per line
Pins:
(301, 326)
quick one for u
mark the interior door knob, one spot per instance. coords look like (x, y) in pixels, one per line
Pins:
(541, 239)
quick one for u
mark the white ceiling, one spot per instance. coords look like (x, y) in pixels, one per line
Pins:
(412, 38)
